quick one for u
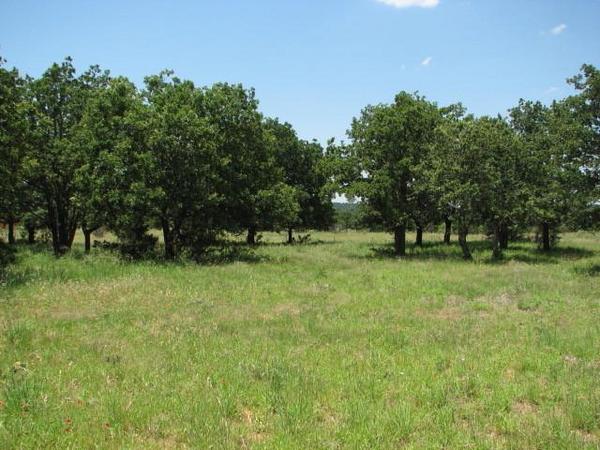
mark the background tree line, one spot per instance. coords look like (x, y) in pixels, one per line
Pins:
(92, 150)
(84, 151)
(414, 164)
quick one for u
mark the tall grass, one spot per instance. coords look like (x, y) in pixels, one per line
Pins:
(334, 344)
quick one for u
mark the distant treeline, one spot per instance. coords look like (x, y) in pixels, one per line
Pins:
(91, 150)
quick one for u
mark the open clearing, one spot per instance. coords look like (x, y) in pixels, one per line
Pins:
(332, 344)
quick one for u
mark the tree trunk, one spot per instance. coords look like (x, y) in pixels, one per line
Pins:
(63, 231)
(88, 239)
(496, 238)
(546, 236)
(11, 232)
(463, 231)
(503, 237)
(72, 232)
(251, 237)
(447, 231)
(290, 235)
(31, 235)
(419, 240)
(400, 240)
(53, 225)
(168, 238)
(62, 228)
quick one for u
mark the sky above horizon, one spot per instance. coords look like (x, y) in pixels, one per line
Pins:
(317, 63)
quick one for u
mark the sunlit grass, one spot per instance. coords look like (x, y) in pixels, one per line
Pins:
(333, 344)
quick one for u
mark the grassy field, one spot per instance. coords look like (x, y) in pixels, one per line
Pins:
(334, 344)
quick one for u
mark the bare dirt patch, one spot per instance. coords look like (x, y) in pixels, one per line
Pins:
(523, 407)
(587, 437)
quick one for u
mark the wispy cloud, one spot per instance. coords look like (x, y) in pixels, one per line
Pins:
(558, 29)
(411, 3)
(551, 90)
(427, 61)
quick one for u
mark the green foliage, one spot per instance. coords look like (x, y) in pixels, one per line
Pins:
(246, 163)
(117, 182)
(348, 216)
(278, 207)
(478, 171)
(14, 198)
(555, 142)
(303, 169)
(94, 151)
(389, 142)
(186, 160)
(56, 104)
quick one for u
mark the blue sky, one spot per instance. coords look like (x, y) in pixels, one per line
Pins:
(316, 63)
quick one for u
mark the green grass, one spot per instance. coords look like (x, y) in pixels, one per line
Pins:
(334, 344)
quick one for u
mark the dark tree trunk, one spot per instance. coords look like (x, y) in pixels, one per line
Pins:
(419, 240)
(88, 239)
(447, 231)
(168, 238)
(62, 227)
(400, 240)
(11, 232)
(546, 236)
(503, 237)
(31, 235)
(496, 238)
(64, 232)
(462, 240)
(290, 239)
(251, 237)
(53, 225)
(72, 232)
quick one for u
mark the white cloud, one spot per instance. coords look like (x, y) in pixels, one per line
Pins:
(551, 90)
(427, 61)
(558, 29)
(411, 3)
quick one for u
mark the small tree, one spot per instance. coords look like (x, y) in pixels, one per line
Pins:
(57, 102)
(182, 144)
(278, 207)
(304, 170)
(553, 140)
(456, 171)
(246, 160)
(117, 182)
(388, 143)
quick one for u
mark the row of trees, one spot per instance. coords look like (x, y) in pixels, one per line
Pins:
(412, 163)
(91, 150)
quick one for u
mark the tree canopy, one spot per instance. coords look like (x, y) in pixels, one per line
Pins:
(91, 150)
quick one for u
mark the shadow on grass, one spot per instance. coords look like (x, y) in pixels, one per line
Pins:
(109, 262)
(554, 256)
(219, 253)
(428, 251)
(518, 251)
(591, 270)
(310, 243)
(36, 248)
(230, 253)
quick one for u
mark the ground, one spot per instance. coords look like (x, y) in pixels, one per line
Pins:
(331, 344)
